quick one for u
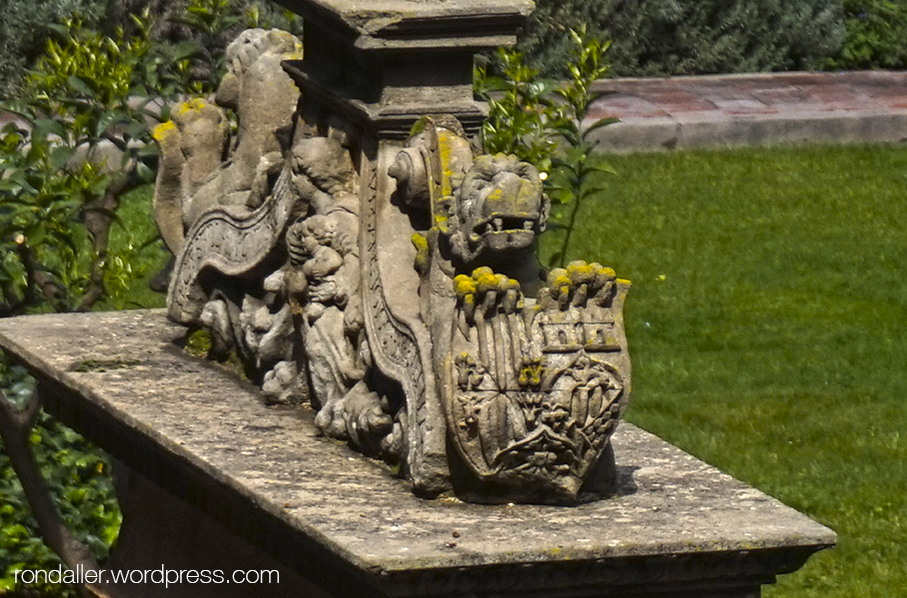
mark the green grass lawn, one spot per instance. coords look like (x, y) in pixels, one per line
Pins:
(768, 330)
(142, 255)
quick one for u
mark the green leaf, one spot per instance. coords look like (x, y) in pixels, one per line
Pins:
(602, 122)
(137, 130)
(555, 259)
(147, 150)
(606, 168)
(107, 120)
(48, 126)
(66, 239)
(493, 84)
(60, 157)
(10, 186)
(36, 236)
(80, 86)
(145, 173)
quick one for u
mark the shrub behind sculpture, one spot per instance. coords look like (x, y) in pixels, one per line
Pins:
(682, 37)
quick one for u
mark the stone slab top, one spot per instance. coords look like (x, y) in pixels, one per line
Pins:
(394, 24)
(128, 366)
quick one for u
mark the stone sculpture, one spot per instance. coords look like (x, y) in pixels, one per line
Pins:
(201, 166)
(391, 284)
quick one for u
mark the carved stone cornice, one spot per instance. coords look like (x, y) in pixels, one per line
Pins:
(412, 25)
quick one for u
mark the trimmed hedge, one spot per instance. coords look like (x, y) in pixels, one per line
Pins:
(682, 37)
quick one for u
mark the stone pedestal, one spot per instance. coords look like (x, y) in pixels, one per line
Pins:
(217, 481)
(384, 64)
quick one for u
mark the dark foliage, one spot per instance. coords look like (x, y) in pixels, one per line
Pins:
(26, 26)
(876, 35)
(680, 37)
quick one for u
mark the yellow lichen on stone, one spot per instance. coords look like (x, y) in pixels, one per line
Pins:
(444, 150)
(193, 105)
(422, 254)
(557, 277)
(297, 52)
(562, 281)
(164, 130)
(579, 271)
(486, 279)
(420, 242)
(464, 286)
(531, 373)
(284, 36)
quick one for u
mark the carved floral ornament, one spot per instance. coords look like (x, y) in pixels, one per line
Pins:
(393, 288)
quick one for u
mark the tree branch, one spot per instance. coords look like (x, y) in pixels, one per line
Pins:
(118, 142)
(12, 303)
(37, 279)
(98, 219)
(15, 428)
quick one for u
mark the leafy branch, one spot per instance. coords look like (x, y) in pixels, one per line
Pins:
(16, 428)
(541, 122)
(82, 142)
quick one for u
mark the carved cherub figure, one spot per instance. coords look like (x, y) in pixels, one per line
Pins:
(310, 244)
(197, 172)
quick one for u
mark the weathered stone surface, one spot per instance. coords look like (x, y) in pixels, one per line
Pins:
(391, 83)
(401, 24)
(387, 63)
(201, 432)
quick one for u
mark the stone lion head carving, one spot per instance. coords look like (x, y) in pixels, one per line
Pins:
(499, 208)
